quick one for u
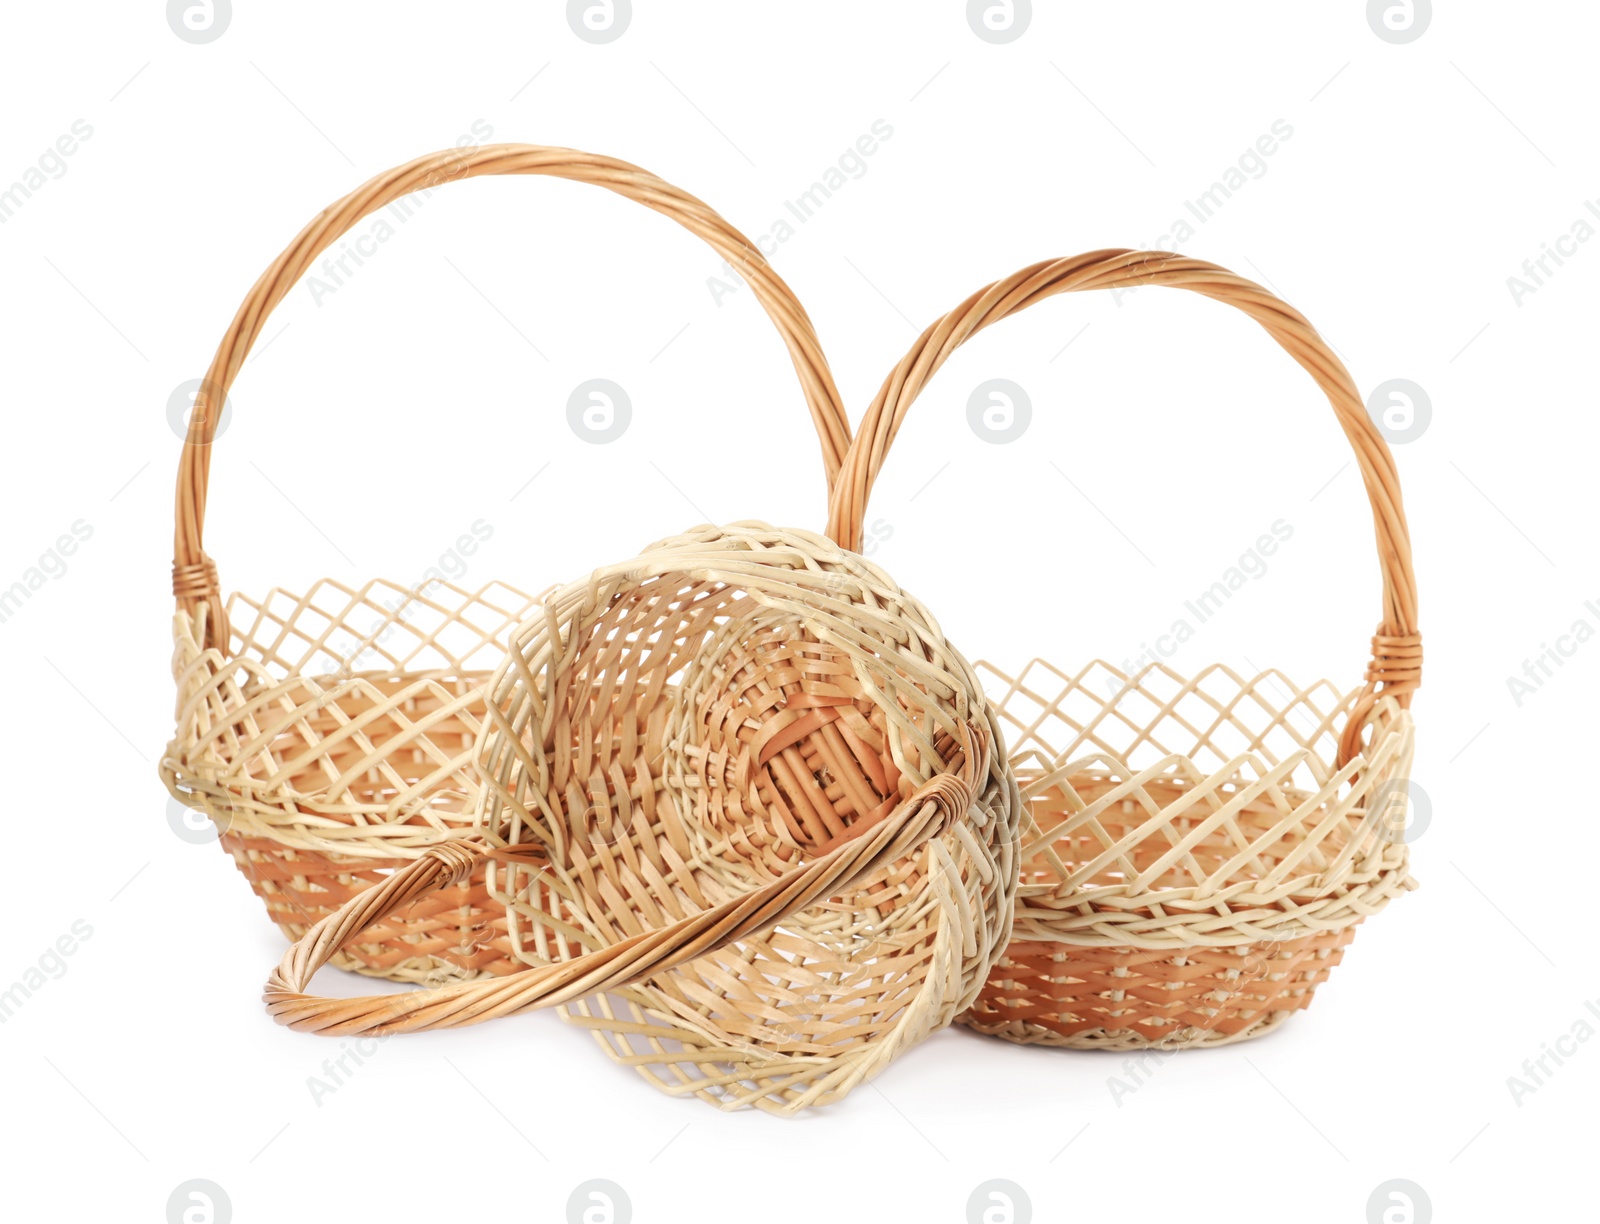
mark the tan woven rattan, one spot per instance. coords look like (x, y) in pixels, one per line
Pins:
(330, 734)
(1197, 851)
(746, 767)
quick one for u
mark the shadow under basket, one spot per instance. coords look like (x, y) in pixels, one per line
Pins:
(334, 744)
(1193, 864)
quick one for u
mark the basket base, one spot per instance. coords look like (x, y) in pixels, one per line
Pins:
(1109, 998)
(454, 934)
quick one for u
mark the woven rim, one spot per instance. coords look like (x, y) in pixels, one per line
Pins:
(194, 573)
(1396, 667)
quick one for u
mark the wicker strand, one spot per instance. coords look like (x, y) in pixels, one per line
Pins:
(197, 581)
(194, 573)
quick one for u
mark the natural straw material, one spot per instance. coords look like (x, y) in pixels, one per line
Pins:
(330, 735)
(746, 767)
(1197, 851)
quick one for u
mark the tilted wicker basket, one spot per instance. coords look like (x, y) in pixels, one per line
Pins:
(1197, 851)
(330, 735)
(746, 767)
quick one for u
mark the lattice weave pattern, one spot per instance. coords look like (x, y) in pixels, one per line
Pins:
(337, 740)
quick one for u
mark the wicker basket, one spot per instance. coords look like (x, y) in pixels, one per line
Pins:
(1197, 851)
(330, 734)
(746, 767)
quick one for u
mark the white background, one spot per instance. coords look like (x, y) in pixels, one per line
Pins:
(403, 407)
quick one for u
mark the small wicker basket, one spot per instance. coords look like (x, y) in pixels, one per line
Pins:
(743, 766)
(1197, 851)
(330, 734)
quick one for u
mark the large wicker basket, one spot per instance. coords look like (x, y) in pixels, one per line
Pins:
(330, 734)
(1198, 850)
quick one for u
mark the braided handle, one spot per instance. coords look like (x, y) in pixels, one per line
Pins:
(194, 574)
(862, 850)
(1396, 667)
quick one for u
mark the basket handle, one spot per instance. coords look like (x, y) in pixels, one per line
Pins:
(1396, 667)
(864, 848)
(194, 574)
